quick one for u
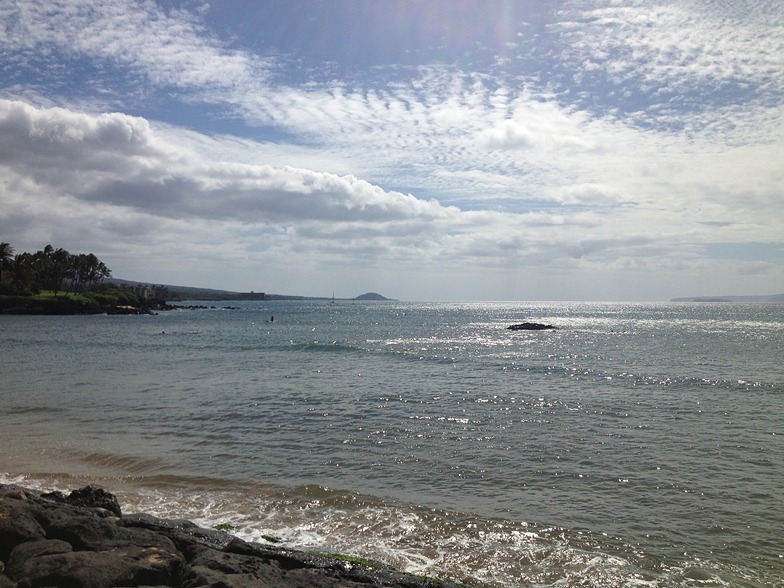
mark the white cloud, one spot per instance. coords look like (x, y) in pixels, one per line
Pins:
(678, 48)
(102, 175)
(117, 159)
(166, 47)
(543, 178)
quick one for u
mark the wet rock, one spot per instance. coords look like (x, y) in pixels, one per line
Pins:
(83, 540)
(95, 498)
(530, 327)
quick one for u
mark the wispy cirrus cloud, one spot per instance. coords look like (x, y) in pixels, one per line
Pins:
(167, 48)
(677, 58)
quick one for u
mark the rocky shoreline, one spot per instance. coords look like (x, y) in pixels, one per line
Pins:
(64, 306)
(84, 540)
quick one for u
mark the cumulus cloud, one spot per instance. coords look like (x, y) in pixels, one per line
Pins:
(618, 136)
(118, 160)
(120, 163)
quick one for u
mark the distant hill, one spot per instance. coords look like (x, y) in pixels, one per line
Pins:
(371, 296)
(775, 298)
(171, 292)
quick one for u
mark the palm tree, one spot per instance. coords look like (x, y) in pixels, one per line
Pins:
(6, 255)
(24, 276)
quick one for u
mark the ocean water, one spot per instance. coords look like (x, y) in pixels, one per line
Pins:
(637, 445)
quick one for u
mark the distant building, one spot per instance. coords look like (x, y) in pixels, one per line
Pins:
(143, 291)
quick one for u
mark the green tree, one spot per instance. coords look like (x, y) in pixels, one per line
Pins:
(24, 277)
(53, 267)
(6, 257)
(88, 271)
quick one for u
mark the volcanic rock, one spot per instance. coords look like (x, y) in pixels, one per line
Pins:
(84, 540)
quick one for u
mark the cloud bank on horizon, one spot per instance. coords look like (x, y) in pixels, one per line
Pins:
(440, 150)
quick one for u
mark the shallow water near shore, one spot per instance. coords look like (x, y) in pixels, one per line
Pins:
(637, 444)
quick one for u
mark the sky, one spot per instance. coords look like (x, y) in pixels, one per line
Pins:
(433, 150)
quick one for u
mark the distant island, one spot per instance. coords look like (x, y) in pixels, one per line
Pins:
(371, 296)
(774, 298)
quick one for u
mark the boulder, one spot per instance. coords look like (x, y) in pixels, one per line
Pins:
(84, 540)
(89, 497)
(53, 563)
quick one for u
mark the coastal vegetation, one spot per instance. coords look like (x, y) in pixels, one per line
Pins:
(54, 281)
(55, 270)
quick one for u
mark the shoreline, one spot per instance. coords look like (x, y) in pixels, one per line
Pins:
(65, 307)
(84, 539)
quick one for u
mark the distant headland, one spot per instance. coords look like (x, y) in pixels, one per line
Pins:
(117, 296)
(173, 293)
(53, 281)
(773, 298)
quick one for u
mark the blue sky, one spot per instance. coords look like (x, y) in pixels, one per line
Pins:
(442, 150)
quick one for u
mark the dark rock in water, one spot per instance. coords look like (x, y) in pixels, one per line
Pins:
(530, 327)
(88, 497)
(57, 540)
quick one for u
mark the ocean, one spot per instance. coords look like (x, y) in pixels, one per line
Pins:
(636, 445)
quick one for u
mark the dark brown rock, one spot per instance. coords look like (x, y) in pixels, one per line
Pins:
(54, 540)
(17, 526)
(530, 327)
(24, 552)
(91, 497)
(126, 566)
